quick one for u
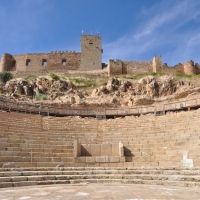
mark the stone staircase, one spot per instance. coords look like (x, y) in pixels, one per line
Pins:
(81, 175)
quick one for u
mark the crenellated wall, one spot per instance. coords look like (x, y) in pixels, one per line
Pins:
(48, 61)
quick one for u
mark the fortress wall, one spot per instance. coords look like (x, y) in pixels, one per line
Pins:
(119, 67)
(197, 68)
(114, 67)
(134, 67)
(7, 63)
(189, 67)
(48, 61)
(173, 70)
(72, 59)
(30, 62)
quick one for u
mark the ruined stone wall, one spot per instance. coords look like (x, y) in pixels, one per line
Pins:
(179, 68)
(189, 67)
(197, 68)
(119, 67)
(134, 67)
(48, 61)
(8, 63)
(114, 67)
(91, 53)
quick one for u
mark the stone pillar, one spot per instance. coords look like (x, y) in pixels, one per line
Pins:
(77, 149)
(121, 149)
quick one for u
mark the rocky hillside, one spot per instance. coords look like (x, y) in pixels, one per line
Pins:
(100, 91)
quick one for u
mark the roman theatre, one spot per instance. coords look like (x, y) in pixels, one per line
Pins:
(152, 143)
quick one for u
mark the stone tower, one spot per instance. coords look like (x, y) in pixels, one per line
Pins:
(157, 64)
(91, 52)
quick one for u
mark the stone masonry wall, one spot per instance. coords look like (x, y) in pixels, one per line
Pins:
(48, 61)
(114, 67)
(8, 63)
(173, 70)
(134, 67)
(91, 53)
(119, 67)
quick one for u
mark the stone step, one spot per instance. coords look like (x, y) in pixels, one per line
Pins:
(102, 176)
(41, 181)
(6, 172)
(35, 154)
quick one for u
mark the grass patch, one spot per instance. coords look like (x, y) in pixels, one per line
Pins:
(184, 75)
(157, 74)
(134, 76)
(86, 83)
(41, 96)
(30, 76)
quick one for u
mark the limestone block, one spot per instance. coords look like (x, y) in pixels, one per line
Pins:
(106, 149)
(122, 159)
(80, 159)
(6, 184)
(25, 183)
(35, 178)
(95, 149)
(187, 163)
(91, 159)
(85, 150)
(114, 159)
(115, 150)
(19, 178)
(68, 159)
(115, 164)
(102, 159)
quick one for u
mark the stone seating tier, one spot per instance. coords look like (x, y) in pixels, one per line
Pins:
(72, 175)
(148, 140)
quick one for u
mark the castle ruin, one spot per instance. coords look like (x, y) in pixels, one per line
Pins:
(89, 59)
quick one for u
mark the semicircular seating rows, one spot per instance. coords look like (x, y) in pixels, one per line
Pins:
(156, 149)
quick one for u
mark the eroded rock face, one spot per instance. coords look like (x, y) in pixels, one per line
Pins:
(147, 86)
(117, 92)
(152, 88)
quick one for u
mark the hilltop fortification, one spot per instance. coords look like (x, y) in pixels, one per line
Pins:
(89, 59)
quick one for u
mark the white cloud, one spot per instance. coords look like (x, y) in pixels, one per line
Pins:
(160, 30)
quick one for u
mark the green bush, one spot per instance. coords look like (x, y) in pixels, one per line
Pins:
(53, 76)
(41, 96)
(5, 76)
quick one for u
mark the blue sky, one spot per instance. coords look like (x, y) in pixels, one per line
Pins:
(130, 29)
